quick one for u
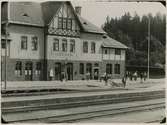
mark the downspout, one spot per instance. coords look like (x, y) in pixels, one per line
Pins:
(45, 56)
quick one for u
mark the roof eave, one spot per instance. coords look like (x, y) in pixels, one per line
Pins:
(114, 47)
(23, 23)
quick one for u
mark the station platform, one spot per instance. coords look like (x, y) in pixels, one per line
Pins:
(83, 85)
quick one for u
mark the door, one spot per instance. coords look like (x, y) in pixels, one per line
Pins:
(57, 71)
(89, 69)
(28, 71)
(69, 71)
(96, 74)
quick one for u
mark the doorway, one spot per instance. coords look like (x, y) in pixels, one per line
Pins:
(69, 71)
(57, 71)
(96, 73)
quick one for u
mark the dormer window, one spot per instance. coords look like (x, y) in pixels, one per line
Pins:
(85, 23)
(25, 15)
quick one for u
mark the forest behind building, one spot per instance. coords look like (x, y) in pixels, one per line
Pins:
(133, 32)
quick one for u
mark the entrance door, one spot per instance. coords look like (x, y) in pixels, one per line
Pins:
(96, 74)
(28, 71)
(57, 71)
(70, 71)
(89, 69)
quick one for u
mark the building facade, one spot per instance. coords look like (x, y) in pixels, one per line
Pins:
(51, 38)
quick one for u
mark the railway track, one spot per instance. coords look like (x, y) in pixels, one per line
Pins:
(80, 107)
(102, 113)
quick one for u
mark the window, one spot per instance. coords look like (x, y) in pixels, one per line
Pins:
(117, 68)
(56, 45)
(38, 68)
(60, 22)
(34, 43)
(81, 68)
(117, 52)
(93, 47)
(105, 51)
(85, 47)
(3, 44)
(72, 45)
(64, 23)
(18, 68)
(69, 24)
(64, 45)
(23, 42)
(109, 68)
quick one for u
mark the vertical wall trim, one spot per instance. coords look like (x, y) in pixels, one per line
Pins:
(45, 56)
(8, 11)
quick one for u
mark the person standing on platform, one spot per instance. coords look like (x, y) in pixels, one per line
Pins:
(141, 77)
(124, 81)
(145, 76)
(135, 76)
(51, 74)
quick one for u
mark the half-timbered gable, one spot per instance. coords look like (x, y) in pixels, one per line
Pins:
(64, 22)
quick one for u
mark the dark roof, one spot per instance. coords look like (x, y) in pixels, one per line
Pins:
(89, 27)
(49, 9)
(111, 43)
(26, 12)
(40, 14)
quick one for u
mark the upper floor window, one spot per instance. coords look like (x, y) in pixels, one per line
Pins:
(117, 51)
(56, 45)
(85, 47)
(117, 68)
(93, 47)
(34, 43)
(105, 51)
(23, 42)
(60, 22)
(69, 24)
(72, 45)
(64, 23)
(64, 45)
(18, 68)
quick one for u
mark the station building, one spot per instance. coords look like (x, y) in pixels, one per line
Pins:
(52, 36)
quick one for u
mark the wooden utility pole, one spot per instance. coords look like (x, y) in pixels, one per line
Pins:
(148, 70)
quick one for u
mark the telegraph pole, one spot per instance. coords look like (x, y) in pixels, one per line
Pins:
(148, 70)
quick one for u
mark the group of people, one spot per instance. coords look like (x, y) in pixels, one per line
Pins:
(63, 75)
(134, 75)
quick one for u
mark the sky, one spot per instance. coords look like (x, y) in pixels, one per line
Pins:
(96, 12)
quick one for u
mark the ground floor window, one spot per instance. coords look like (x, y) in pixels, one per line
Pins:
(117, 69)
(81, 68)
(18, 68)
(109, 68)
(38, 68)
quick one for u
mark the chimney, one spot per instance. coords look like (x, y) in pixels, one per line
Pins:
(78, 10)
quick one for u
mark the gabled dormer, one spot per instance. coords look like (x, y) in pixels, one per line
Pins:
(64, 21)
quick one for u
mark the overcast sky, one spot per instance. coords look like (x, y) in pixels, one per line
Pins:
(96, 12)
